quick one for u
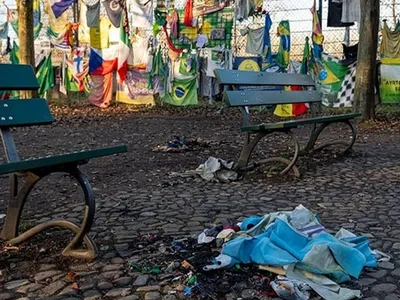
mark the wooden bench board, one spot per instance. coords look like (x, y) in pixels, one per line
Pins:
(296, 123)
(37, 163)
(233, 77)
(18, 78)
(259, 98)
(24, 112)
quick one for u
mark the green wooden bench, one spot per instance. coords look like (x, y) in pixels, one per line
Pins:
(26, 173)
(245, 89)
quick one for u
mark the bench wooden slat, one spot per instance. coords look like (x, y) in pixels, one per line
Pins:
(296, 123)
(233, 77)
(31, 164)
(257, 98)
(24, 112)
(17, 78)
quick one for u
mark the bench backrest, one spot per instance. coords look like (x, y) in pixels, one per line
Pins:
(262, 88)
(21, 112)
(17, 78)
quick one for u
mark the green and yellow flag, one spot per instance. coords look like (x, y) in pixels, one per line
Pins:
(184, 92)
(45, 76)
(283, 55)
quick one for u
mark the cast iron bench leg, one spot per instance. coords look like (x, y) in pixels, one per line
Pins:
(316, 131)
(16, 204)
(249, 145)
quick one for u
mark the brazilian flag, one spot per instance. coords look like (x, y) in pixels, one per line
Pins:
(184, 92)
(283, 55)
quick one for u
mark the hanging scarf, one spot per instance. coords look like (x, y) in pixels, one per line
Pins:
(171, 45)
(173, 20)
(188, 17)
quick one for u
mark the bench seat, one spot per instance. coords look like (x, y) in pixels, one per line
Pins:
(63, 159)
(295, 123)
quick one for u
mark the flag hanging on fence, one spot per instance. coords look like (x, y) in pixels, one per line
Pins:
(135, 89)
(317, 36)
(45, 75)
(306, 57)
(124, 47)
(114, 9)
(102, 61)
(267, 39)
(14, 55)
(184, 92)
(283, 55)
(56, 25)
(60, 6)
(296, 109)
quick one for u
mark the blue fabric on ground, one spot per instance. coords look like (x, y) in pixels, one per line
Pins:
(250, 222)
(362, 245)
(281, 245)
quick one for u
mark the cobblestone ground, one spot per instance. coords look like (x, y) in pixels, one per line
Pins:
(136, 196)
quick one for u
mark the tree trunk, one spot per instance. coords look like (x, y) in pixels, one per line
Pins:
(364, 94)
(26, 41)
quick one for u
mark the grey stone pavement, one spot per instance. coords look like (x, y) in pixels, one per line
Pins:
(360, 193)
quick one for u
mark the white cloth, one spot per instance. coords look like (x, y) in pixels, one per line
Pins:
(114, 34)
(140, 50)
(142, 12)
(323, 286)
(351, 11)
(255, 40)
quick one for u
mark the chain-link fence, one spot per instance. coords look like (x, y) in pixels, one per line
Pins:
(297, 12)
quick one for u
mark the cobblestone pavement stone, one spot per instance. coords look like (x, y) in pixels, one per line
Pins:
(359, 193)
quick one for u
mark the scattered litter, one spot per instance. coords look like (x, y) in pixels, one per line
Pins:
(10, 248)
(275, 270)
(2, 216)
(186, 265)
(380, 256)
(286, 254)
(70, 276)
(75, 286)
(183, 144)
(214, 169)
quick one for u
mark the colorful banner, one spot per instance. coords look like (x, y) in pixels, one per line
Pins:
(217, 26)
(135, 89)
(390, 83)
(283, 55)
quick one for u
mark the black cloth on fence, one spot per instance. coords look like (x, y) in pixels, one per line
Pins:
(350, 54)
(335, 8)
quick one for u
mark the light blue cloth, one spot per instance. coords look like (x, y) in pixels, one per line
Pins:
(281, 245)
(250, 222)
